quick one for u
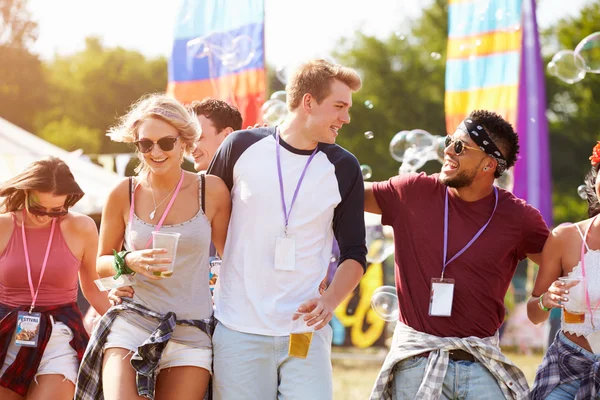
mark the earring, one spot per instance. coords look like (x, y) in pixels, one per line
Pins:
(485, 168)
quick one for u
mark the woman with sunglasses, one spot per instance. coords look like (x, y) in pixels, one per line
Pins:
(569, 279)
(156, 340)
(45, 249)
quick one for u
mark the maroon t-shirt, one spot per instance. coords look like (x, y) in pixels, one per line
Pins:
(413, 204)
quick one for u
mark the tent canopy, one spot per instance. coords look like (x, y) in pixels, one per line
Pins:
(19, 148)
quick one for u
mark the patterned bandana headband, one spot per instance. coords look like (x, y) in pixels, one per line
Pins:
(483, 140)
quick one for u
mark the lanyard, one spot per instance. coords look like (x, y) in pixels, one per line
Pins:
(587, 292)
(471, 241)
(285, 211)
(34, 292)
(162, 219)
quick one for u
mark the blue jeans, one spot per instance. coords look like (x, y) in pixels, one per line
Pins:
(566, 391)
(464, 380)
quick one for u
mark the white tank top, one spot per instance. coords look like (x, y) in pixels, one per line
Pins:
(577, 293)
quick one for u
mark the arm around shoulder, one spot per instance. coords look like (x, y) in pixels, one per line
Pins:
(218, 202)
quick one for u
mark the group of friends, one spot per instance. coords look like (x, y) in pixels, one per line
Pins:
(271, 201)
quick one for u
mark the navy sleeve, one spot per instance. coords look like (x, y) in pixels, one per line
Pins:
(231, 149)
(349, 215)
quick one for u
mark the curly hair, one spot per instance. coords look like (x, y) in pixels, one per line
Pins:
(590, 191)
(221, 114)
(501, 132)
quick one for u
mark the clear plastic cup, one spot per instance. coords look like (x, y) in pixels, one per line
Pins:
(574, 309)
(167, 241)
(300, 336)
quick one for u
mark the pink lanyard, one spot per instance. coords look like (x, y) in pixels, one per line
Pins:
(588, 302)
(162, 219)
(34, 293)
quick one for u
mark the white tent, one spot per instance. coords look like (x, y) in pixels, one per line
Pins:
(18, 148)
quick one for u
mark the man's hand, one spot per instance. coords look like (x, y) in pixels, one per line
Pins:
(320, 311)
(258, 126)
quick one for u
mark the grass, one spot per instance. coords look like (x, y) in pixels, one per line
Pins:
(354, 378)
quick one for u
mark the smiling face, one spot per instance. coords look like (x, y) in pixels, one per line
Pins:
(42, 207)
(325, 119)
(209, 141)
(460, 170)
(161, 160)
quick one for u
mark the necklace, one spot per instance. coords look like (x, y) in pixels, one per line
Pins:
(153, 213)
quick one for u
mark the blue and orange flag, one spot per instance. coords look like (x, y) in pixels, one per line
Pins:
(494, 63)
(218, 51)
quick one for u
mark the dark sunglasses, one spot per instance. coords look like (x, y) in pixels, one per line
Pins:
(38, 212)
(166, 144)
(459, 145)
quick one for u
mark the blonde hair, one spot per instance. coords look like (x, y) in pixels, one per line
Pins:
(48, 175)
(161, 106)
(315, 77)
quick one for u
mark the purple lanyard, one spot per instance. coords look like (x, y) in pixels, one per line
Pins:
(285, 212)
(471, 241)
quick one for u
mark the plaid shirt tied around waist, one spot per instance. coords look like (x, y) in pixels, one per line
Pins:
(563, 364)
(145, 360)
(408, 342)
(21, 372)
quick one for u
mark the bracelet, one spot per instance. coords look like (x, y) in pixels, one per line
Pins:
(541, 303)
(119, 264)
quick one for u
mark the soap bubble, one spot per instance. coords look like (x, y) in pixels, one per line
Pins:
(385, 303)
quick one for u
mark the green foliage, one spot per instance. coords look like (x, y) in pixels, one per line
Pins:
(573, 115)
(17, 30)
(71, 136)
(95, 86)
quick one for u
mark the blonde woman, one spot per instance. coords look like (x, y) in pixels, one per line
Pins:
(45, 250)
(157, 344)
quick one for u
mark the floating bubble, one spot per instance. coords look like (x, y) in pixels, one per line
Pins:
(587, 53)
(333, 258)
(436, 56)
(367, 172)
(380, 243)
(420, 139)
(565, 68)
(582, 192)
(369, 104)
(398, 145)
(369, 135)
(384, 302)
(280, 95)
(440, 147)
(274, 112)
(506, 180)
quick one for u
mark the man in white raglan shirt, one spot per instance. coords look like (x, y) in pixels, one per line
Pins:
(293, 190)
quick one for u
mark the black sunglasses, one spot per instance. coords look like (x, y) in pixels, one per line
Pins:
(43, 213)
(459, 145)
(166, 144)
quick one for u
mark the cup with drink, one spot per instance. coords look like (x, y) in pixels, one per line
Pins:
(300, 336)
(574, 309)
(167, 241)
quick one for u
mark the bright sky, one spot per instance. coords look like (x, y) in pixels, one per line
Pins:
(294, 30)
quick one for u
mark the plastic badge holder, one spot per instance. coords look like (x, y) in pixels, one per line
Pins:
(109, 283)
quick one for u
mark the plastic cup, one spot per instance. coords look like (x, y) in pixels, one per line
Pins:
(167, 241)
(300, 336)
(574, 309)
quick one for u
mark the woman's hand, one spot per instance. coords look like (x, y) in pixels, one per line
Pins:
(145, 262)
(557, 294)
(114, 296)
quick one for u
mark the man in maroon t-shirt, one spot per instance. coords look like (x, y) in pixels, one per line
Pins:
(469, 302)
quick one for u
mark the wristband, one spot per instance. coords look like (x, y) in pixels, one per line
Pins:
(119, 264)
(541, 303)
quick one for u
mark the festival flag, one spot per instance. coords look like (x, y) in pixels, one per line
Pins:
(494, 63)
(218, 51)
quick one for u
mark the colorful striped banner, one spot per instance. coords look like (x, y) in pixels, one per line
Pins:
(218, 51)
(494, 63)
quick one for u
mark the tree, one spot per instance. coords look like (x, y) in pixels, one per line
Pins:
(71, 136)
(93, 87)
(403, 83)
(573, 116)
(22, 83)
